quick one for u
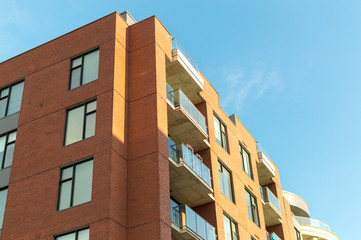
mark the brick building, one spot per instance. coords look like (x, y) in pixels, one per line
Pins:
(112, 132)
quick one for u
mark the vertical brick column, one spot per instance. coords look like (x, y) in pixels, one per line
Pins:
(148, 214)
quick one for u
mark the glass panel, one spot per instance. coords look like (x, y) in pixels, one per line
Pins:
(224, 142)
(67, 173)
(227, 184)
(227, 228)
(9, 155)
(90, 125)
(249, 207)
(246, 164)
(3, 195)
(220, 169)
(2, 148)
(76, 62)
(70, 236)
(191, 219)
(74, 130)
(90, 67)
(234, 231)
(75, 78)
(4, 92)
(83, 182)
(3, 107)
(92, 106)
(12, 137)
(201, 227)
(217, 130)
(83, 234)
(15, 98)
(65, 195)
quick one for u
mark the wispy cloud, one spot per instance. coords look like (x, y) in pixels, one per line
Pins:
(239, 85)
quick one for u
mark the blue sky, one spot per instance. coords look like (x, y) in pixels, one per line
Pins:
(290, 70)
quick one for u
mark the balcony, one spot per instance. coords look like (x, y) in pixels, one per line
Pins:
(271, 207)
(266, 169)
(313, 228)
(182, 72)
(186, 224)
(190, 179)
(272, 236)
(298, 205)
(185, 122)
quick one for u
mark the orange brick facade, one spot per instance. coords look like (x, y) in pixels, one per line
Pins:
(131, 186)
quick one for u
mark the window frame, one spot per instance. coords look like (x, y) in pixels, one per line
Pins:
(225, 145)
(8, 97)
(223, 166)
(72, 179)
(2, 189)
(76, 231)
(254, 207)
(231, 220)
(82, 55)
(7, 143)
(298, 234)
(84, 119)
(243, 148)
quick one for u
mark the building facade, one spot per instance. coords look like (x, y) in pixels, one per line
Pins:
(112, 132)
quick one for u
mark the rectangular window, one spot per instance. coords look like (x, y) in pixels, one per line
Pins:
(82, 234)
(225, 178)
(221, 133)
(3, 196)
(80, 122)
(246, 161)
(7, 145)
(84, 69)
(230, 228)
(10, 99)
(75, 184)
(252, 207)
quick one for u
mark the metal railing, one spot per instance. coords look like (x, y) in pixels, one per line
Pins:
(180, 99)
(180, 153)
(268, 196)
(176, 45)
(185, 218)
(313, 222)
(261, 149)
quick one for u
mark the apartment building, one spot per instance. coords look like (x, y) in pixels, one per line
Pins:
(112, 132)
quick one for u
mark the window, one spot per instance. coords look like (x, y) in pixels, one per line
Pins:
(252, 207)
(298, 234)
(225, 178)
(3, 196)
(7, 145)
(10, 99)
(84, 69)
(221, 133)
(75, 184)
(246, 161)
(230, 228)
(82, 234)
(80, 123)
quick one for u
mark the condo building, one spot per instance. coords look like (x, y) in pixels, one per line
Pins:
(112, 132)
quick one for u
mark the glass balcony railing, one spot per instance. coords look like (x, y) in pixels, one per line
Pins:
(178, 98)
(261, 149)
(272, 236)
(180, 153)
(176, 45)
(185, 218)
(313, 222)
(268, 196)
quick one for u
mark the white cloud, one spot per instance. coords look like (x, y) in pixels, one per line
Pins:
(239, 86)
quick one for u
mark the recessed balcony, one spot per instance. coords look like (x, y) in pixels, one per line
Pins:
(185, 122)
(182, 72)
(266, 169)
(271, 207)
(187, 224)
(190, 179)
(312, 228)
